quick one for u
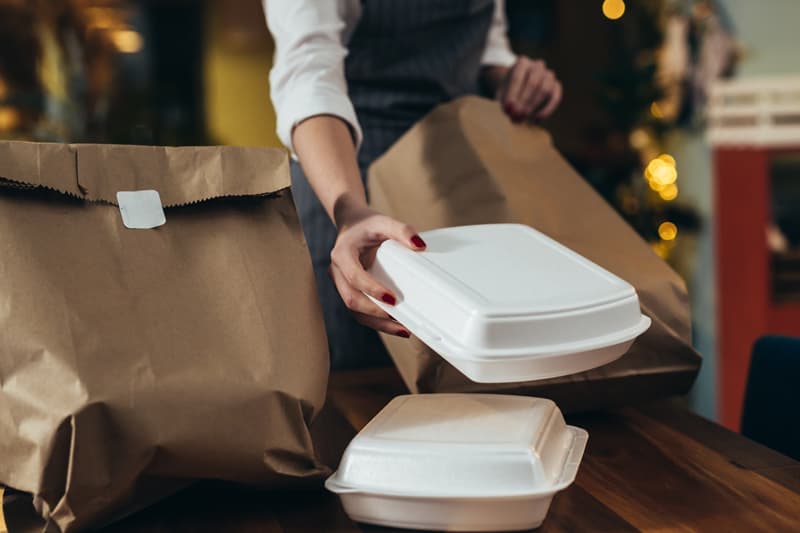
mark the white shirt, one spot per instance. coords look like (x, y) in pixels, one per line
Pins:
(311, 37)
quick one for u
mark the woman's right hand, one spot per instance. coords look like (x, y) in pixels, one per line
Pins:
(326, 149)
(360, 234)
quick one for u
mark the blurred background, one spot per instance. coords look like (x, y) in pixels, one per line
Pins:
(683, 114)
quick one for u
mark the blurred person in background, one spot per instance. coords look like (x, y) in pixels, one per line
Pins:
(349, 78)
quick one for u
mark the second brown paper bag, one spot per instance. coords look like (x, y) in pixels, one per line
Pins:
(466, 163)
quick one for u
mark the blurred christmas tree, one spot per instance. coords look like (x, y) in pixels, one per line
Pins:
(633, 73)
(632, 94)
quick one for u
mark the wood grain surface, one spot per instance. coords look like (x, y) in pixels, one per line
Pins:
(653, 468)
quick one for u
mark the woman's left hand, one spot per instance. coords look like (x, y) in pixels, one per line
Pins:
(361, 232)
(528, 90)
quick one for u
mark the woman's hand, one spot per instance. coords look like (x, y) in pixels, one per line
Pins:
(360, 234)
(528, 90)
(326, 149)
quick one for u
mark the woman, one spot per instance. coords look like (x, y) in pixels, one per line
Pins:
(349, 78)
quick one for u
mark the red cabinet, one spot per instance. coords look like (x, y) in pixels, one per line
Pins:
(755, 130)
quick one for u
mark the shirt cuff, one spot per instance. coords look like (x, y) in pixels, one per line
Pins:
(306, 103)
(498, 56)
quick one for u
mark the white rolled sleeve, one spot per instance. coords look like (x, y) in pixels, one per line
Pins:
(307, 77)
(498, 50)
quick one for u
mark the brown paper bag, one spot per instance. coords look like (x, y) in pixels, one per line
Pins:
(135, 361)
(466, 163)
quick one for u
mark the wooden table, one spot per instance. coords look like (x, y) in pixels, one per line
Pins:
(652, 468)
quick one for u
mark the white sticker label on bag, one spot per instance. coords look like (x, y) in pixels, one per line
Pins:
(141, 209)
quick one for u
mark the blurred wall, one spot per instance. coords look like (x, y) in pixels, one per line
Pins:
(768, 32)
(238, 56)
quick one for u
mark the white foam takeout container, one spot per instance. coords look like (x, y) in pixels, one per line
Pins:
(505, 303)
(459, 462)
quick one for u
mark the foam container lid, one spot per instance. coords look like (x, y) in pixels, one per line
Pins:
(504, 302)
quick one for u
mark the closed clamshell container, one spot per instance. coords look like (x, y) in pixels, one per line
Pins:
(459, 462)
(505, 303)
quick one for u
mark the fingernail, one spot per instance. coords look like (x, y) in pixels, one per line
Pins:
(403, 333)
(418, 242)
(388, 298)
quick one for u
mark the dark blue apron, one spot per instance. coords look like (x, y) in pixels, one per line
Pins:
(405, 58)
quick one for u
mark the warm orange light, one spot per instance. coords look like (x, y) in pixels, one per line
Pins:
(102, 18)
(661, 249)
(668, 159)
(127, 41)
(667, 231)
(656, 110)
(102, 23)
(9, 118)
(660, 174)
(639, 138)
(3, 89)
(613, 9)
(669, 193)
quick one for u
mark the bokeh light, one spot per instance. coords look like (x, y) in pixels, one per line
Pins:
(639, 138)
(661, 176)
(127, 41)
(661, 248)
(613, 9)
(668, 159)
(654, 184)
(667, 231)
(656, 110)
(669, 193)
(9, 118)
(102, 18)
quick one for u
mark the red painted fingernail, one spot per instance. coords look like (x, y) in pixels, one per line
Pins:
(403, 333)
(388, 298)
(418, 242)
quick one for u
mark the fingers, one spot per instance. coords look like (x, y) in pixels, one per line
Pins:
(347, 267)
(543, 92)
(353, 298)
(346, 255)
(531, 91)
(382, 324)
(404, 233)
(364, 310)
(355, 248)
(552, 104)
(515, 86)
